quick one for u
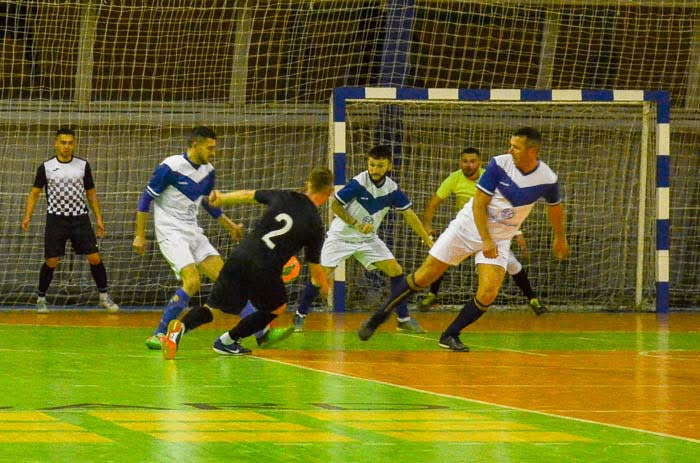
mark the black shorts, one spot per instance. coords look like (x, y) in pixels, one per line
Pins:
(242, 280)
(77, 229)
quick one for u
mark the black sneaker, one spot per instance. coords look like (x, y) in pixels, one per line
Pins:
(367, 329)
(452, 343)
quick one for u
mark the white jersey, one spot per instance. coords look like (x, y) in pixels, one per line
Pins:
(513, 195)
(177, 187)
(367, 203)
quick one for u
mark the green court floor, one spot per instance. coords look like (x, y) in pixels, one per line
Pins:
(74, 394)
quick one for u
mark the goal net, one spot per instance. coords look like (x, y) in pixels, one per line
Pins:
(604, 153)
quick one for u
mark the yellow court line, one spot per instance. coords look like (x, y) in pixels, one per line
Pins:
(38, 426)
(51, 437)
(426, 426)
(25, 416)
(487, 436)
(379, 415)
(155, 426)
(302, 437)
(181, 415)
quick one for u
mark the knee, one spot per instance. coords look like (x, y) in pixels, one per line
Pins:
(192, 284)
(486, 296)
(52, 262)
(94, 259)
(394, 270)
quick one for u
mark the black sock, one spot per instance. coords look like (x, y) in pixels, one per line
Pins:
(251, 324)
(523, 283)
(197, 316)
(435, 287)
(45, 277)
(99, 274)
(399, 292)
(468, 315)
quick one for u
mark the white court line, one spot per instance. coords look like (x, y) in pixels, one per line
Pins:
(464, 399)
(425, 338)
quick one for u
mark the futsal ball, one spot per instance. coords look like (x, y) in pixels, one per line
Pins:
(291, 270)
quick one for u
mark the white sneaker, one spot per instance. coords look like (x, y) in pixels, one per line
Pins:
(41, 306)
(108, 303)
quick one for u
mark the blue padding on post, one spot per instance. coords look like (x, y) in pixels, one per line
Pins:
(663, 171)
(535, 95)
(339, 168)
(412, 94)
(340, 95)
(663, 104)
(662, 296)
(597, 95)
(339, 296)
(663, 236)
(477, 94)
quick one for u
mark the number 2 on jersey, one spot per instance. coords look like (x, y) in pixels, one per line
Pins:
(284, 218)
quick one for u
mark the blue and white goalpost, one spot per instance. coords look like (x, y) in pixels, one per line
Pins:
(652, 104)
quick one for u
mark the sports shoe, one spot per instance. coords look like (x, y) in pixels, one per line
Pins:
(108, 303)
(367, 329)
(232, 349)
(171, 341)
(452, 343)
(41, 306)
(411, 326)
(299, 322)
(427, 302)
(154, 342)
(535, 305)
(275, 335)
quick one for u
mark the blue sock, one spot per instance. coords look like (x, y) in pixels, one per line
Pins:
(397, 284)
(248, 310)
(308, 295)
(174, 308)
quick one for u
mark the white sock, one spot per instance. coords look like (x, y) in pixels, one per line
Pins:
(226, 339)
(401, 320)
(41, 298)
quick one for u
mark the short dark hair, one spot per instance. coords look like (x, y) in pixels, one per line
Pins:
(380, 152)
(200, 133)
(471, 150)
(320, 179)
(65, 131)
(534, 137)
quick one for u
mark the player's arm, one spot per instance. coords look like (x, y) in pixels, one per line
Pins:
(218, 198)
(29, 209)
(560, 246)
(481, 217)
(340, 211)
(139, 243)
(94, 203)
(414, 222)
(234, 229)
(429, 213)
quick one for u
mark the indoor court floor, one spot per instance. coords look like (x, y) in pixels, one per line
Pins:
(597, 387)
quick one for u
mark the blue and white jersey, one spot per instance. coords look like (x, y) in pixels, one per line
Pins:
(367, 203)
(513, 195)
(177, 188)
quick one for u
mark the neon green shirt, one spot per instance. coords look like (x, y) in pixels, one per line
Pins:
(460, 186)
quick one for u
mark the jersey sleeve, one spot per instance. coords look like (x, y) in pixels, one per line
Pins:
(553, 195)
(265, 196)
(40, 178)
(348, 192)
(88, 182)
(489, 179)
(160, 180)
(446, 188)
(400, 201)
(215, 212)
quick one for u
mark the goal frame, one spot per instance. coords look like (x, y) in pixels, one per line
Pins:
(661, 98)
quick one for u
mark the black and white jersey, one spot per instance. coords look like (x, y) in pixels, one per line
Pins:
(65, 184)
(292, 221)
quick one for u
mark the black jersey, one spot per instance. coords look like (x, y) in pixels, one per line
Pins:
(292, 221)
(66, 184)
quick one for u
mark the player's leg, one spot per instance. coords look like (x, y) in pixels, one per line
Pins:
(308, 295)
(191, 283)
(490, 277)
(519, 275)
(430, 299)
(393, 270)
(55, 236)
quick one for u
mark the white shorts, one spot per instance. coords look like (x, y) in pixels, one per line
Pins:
(456, 244)
(182, 248)
(335, 250)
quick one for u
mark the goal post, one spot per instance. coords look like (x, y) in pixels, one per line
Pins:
(598, 142)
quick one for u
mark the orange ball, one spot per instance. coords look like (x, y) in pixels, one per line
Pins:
(291, 270)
